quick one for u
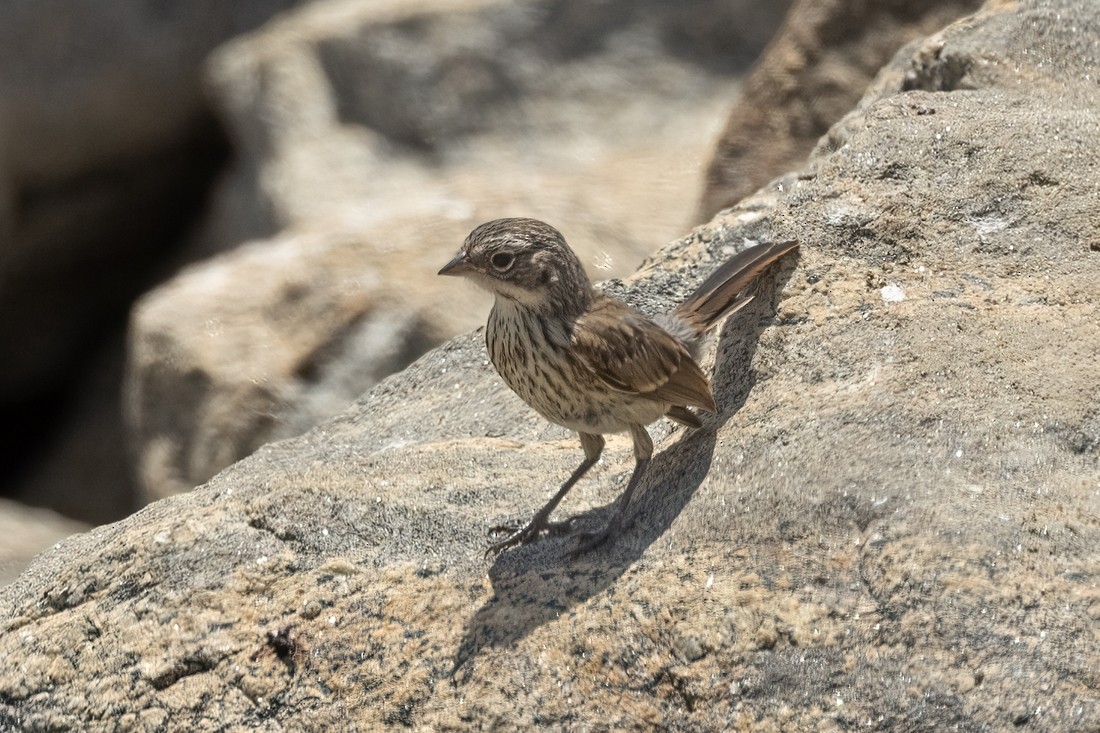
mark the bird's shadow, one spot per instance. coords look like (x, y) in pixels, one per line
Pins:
(537, 583)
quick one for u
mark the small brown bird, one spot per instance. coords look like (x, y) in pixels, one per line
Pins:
(587, 361)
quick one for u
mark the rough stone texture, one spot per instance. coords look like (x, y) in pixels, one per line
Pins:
(401, 126)
(816, 68)
(892, 524)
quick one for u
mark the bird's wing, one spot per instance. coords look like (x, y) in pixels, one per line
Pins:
(632, 354)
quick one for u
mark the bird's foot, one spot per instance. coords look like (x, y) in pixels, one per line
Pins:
(533, 531)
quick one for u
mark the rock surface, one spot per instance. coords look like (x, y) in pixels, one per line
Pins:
(257, 345)
(893, 523)
(814, 70)
(400, 127)
(25, 532)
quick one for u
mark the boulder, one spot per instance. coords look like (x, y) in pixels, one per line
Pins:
(818, 65)
(892, 523)
(257, 345)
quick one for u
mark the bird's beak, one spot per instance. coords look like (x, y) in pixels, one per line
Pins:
(458, 266)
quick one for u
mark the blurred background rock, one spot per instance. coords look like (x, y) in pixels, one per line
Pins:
(221, 222)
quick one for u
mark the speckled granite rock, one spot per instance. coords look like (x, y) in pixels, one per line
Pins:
(892, 524)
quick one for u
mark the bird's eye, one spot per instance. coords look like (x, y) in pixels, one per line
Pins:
(501, 261)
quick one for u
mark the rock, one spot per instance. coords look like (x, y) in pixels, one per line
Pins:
(816, 68)
(257, 345)
(892, 523)
(27, 531)
(417, 121)
(401, 127)
(105, 144)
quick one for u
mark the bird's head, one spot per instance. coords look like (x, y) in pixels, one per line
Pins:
(523, 260)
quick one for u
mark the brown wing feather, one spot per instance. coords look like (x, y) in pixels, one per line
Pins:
(632, 354)
(684, 416)
(688, 386)
(717, 296)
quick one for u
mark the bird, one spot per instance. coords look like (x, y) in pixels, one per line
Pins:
(590, 362)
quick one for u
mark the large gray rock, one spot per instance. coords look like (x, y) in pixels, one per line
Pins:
(893, 523)
(398, 127)
(416, 120)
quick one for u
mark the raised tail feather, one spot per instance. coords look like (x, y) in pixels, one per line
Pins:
(718, 297)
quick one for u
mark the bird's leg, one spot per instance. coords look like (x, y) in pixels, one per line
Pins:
(540, 524)
(643, 451)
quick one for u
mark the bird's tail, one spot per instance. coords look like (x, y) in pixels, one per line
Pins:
(721, 294)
